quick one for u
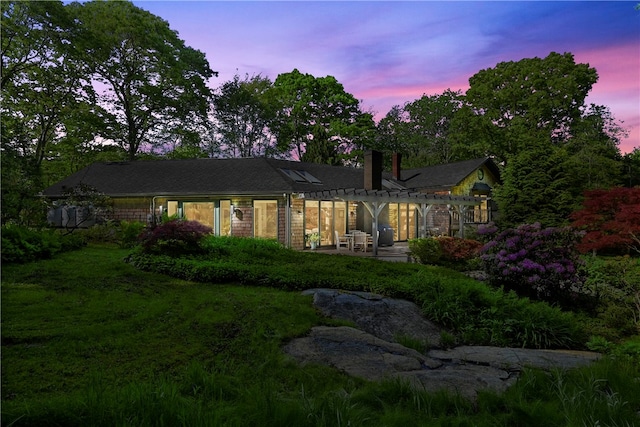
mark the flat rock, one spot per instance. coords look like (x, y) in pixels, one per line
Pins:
(362, 355)
(370, 352)
(516, 359)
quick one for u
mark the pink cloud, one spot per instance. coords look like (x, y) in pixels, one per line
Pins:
(618, 86)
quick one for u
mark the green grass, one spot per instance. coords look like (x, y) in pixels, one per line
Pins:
(89, 340)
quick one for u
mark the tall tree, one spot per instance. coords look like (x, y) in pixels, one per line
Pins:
(533, 95)
(536, 187)
(42, 82)
(316, 120)
(428, 130)
(242, 116)
(155, 85)
(594, 157)
(43, 85)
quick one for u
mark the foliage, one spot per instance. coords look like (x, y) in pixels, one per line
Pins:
(616, 283)
(537, 263)
(594, 157)
(42, 80)
(535, 188)
(20, 184)
(312, 237)
(156, 86)
(455, 249)
(242, 117)
(174, 238)
(316, 120)
(610, 219)
(452, 252)
(21, 244)
(122, 346)
(421, 130)
(129, 231)
(533, 97)
(426, 250)
(446, 296)
(484, 316)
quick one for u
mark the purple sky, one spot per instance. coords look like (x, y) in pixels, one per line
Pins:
(389, 53)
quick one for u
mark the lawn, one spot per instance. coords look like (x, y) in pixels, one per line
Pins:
(88, 339)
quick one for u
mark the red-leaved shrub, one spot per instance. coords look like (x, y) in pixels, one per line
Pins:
(611, 220)
(176, 237)
(457, 249)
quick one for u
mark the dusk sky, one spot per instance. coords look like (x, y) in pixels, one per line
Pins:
(390, 53)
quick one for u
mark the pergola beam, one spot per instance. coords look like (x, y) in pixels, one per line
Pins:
(375, 200)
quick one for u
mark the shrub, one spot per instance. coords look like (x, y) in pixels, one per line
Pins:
(451, 252)
(426, 250)
(616, 283)
(610, 219)
(129, 232)
(455, 249)
(22, 244)
(174, 238)
(538, 263)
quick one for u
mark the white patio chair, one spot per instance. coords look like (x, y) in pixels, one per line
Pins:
(360, 241)
(341, 241)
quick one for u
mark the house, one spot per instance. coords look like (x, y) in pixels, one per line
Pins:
(476, 177)
(286, 200)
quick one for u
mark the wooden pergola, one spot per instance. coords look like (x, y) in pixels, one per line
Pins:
(375, 201)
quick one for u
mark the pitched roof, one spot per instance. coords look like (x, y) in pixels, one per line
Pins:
(206, 176)
(246, 176)
(446, 176)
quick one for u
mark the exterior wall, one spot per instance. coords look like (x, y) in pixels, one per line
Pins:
(482, 174)
(131, 209)
(438, 221)
(242, 220)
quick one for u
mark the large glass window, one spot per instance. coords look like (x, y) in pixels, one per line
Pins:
(265, 219)
(340, 215)
(325, 218)
(326, 223)
(311, 217)
(172, 208)
(199, 211)
(402, 218)
(393, 218)
(413, 226)
(403, 221)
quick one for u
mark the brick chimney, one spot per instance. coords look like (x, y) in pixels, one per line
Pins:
(373, 170)
(395, 166)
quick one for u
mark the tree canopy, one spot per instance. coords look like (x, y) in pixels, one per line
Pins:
(156, 87)
(532, 95)
(316, 119)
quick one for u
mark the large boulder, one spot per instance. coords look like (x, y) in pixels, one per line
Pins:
(372, 353)
(386, 318)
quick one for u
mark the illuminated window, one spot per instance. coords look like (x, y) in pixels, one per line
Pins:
(265, 219)
(199, 211)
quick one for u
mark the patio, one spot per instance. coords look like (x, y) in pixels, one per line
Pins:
(395, 253)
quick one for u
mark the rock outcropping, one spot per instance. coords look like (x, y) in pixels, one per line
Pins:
(370, 351)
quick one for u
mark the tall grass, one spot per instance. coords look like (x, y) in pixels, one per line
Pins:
(89, 340)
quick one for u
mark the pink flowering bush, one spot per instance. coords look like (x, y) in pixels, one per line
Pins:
(538, 263)
(176, 237)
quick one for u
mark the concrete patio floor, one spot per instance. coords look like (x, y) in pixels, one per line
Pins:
(395, 253)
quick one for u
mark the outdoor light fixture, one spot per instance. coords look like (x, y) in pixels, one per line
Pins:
(236, 212)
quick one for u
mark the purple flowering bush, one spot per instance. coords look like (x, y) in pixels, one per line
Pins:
(542, 264)
(176, 237)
